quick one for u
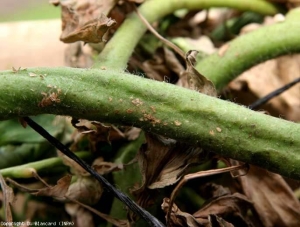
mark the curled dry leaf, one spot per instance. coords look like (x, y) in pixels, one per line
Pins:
(177, 217)
(8, 199)
(116, 222)
(212, 190)
(58, 191)
(86, 190)
(272, 198)
(154, 68)
(74, 166)
(105, 167)
(172, 62)
(197, 81)
(81, 216)
(98, 132)
(90, 32)
(163, 162)
(230, 207)
(225, 209)
(217, 221)
(81, 21)
(164, 66)
(78, 55)
(132, 133)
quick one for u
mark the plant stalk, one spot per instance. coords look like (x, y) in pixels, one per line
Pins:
(46, 165)
(120, 98)
(252, 48)
(120, 47)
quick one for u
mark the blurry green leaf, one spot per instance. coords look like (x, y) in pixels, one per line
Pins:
(12, 132)
(20, 145)
(128, 177)
(16, 155)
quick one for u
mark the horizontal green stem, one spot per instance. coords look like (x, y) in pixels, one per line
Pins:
(250, 49)
(112, 96)
(119, 49)
(47, 165)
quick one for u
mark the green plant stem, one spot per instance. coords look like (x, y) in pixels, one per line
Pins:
(250, 49)
(46, 165)
(119, 49)
(112, 96)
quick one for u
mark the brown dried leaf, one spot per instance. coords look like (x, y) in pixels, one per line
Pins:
(172, 62)
(89, 32)
(109, 132)
(272, 198)
(229, 207)
(177, 217)
(78, 55)
(163, 66)
(155, 68)
(197, 81)
(214, 213)
(58, 191)
(162, 162)
(267, 77)
(132, 133)
(80, 19)
(81, 216)
(8, 199)
(108, 218)
(180, 218)
(86, 190)
(75, 167)
(211, 190)
(98, 131)
(216, 221)
(105, 167)
(216, 190)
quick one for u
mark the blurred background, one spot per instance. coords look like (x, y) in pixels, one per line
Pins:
(14, 10)
(29, 34)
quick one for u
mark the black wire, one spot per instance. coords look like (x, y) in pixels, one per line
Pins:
(152, 221)
(267, 98)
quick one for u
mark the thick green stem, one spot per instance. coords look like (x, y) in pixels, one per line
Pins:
(112, 96)
(119, 49)
(50, 165)
(250, 49)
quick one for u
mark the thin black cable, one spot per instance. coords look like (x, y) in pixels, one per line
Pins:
(267, 98)
(152, 221)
